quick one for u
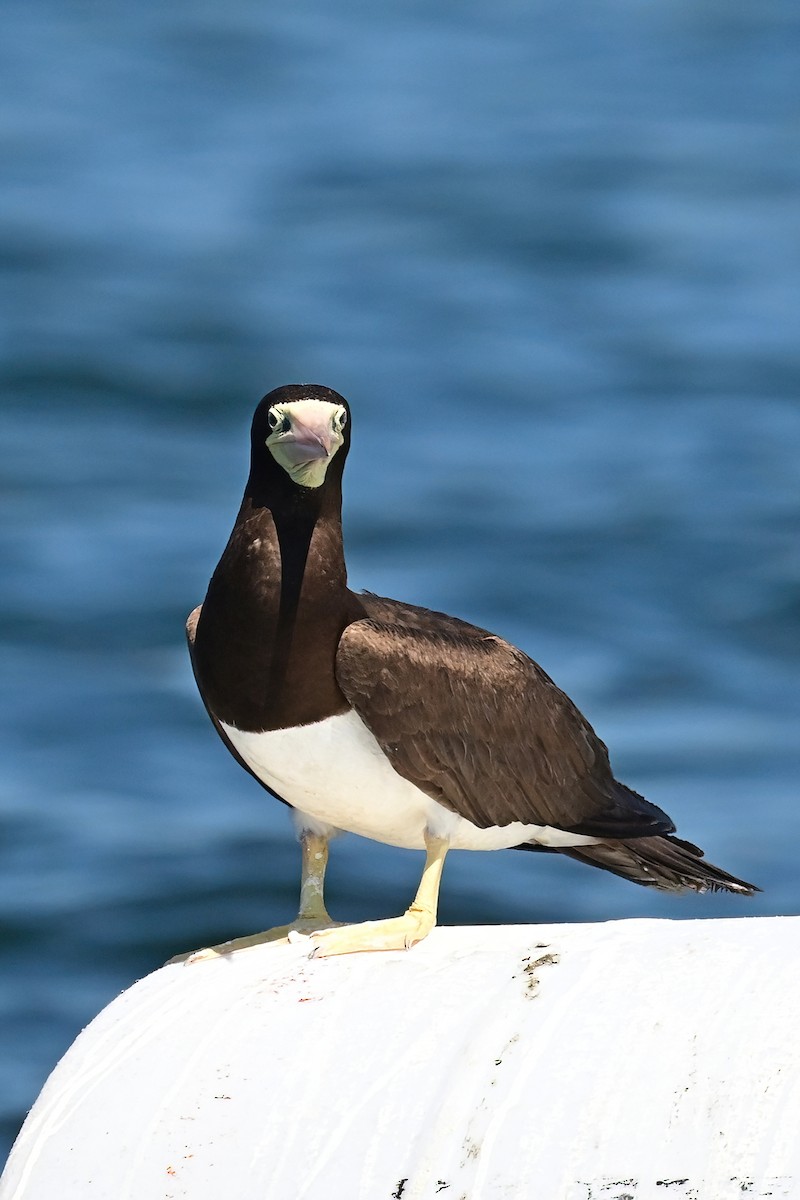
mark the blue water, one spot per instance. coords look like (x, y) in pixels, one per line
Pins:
(550, 254)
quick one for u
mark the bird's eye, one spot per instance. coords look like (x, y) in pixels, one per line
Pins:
(277, 421)
(340, 419)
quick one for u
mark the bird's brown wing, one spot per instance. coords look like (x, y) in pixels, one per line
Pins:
(481, 728)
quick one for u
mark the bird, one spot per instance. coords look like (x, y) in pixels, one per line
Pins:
(392, 721)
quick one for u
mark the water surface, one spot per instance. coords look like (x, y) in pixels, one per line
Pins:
(551, 258)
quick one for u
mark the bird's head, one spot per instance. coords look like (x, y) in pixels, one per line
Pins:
(301, 428)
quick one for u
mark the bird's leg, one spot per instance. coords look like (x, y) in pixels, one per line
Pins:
(397, 933)
(314, 848)
(312, 916)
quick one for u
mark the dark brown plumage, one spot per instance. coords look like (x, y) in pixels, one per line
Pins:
(479, 726)
(473, 723)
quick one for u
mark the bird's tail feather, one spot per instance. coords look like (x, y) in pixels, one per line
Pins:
(665, 862)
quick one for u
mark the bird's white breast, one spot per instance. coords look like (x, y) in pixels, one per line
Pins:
(335, 773)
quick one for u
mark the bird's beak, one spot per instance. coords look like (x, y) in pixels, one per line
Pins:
(308, 441)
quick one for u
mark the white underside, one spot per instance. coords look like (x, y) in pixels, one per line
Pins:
(336, 776)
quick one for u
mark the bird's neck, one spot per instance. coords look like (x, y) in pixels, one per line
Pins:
(275, 610)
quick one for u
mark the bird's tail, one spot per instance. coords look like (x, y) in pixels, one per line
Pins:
(665, 862)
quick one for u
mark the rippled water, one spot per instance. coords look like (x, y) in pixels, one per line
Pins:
(551, 257)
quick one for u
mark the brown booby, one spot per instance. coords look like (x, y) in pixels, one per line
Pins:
(401, 724)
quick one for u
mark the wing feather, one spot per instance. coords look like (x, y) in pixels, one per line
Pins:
(480, 727)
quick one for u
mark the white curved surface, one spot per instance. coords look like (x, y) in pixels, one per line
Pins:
(654, 1060)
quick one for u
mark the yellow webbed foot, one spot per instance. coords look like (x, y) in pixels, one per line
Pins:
(312, 917)
(396, 933)
(280, 934)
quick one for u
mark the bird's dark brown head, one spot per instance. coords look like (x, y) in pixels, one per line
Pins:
(299, 439)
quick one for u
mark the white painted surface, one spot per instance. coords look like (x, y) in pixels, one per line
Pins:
(654, 1060)
(336, 772)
